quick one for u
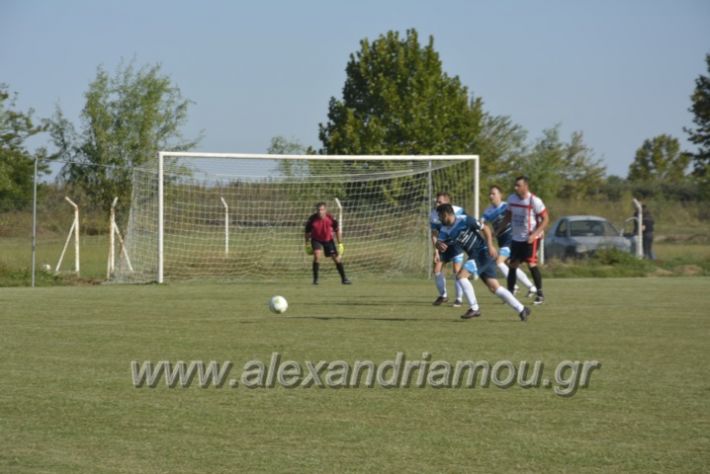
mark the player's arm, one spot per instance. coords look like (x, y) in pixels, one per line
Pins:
(441, 246)
(307, 235)
(487, 224)
(507, 217)
(339, 236)
(434, 239)
(337, 231)
(488, 235)
(541, 227)
(309, 227)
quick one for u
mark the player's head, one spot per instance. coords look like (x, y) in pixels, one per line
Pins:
(495, 194)
(443, 198)
(321, 209)
(521, 186)
(446, 213)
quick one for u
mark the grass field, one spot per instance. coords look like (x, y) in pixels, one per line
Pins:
(68, 404)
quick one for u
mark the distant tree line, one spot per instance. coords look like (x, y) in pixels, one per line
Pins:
(397, 99)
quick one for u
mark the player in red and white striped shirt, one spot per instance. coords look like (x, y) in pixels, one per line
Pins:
(528, 217)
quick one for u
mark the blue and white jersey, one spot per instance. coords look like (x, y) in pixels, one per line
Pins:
(464, 233)
(435, 223)
(495, 216)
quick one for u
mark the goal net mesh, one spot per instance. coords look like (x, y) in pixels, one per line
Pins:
(227, 217)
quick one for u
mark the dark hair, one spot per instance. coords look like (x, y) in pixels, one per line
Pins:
(445, 209)
(320, 204)
(444, 194)
(495, 186)
(523, 178)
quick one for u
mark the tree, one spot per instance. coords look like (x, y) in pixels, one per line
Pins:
(16, 162)
(397, 100)
(281, 145)
(659, 159)
(583, 174)
(501, 144)
(558, 169)
(126, 120)
(701, 135)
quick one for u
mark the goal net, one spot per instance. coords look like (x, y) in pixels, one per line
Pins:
(213, 215)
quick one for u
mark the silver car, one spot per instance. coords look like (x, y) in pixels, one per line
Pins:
(579, 236)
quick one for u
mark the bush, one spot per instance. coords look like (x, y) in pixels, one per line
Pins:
(614, 256)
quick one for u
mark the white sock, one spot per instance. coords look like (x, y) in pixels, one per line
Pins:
(503, 269)
(440, 283)
(523, 278)
(459, 291)
(508, 297)
(467, 288)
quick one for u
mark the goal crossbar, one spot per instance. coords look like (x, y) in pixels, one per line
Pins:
(266, 156)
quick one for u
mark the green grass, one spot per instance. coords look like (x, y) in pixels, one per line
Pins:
(67, 403)
(16, 260)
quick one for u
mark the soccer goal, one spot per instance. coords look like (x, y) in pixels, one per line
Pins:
(224, 215)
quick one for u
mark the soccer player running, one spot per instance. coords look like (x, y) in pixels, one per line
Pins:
(528, 217)
(494, 215)
(319, 241)
(441, 258)
(467, 234)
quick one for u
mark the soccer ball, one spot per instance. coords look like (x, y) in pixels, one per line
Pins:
(278, 304)
(46, 267)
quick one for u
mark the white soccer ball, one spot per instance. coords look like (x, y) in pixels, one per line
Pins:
(46, 267)
(278, 304)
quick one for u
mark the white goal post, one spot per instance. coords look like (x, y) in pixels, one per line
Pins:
(231, 215)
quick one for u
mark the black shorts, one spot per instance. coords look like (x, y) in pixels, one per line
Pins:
(329, 248)
(524, 252)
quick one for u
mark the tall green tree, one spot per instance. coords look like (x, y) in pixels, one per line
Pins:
(559, 169)
(126, 120)
(16, 162)
(397, 100)
(659, 159)
(700, 136)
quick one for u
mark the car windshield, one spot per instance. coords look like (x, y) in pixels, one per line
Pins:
(592, 228)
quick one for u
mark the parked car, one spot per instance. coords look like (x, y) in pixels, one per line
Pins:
(579, 236)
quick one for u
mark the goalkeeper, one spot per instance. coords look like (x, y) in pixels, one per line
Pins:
(320, 227)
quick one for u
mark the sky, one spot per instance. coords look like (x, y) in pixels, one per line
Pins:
(619, 71)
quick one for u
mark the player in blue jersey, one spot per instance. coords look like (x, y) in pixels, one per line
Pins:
(441, 258)
(494, 216)
(466, 234)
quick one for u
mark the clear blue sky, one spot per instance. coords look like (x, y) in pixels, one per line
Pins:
(619, 71)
